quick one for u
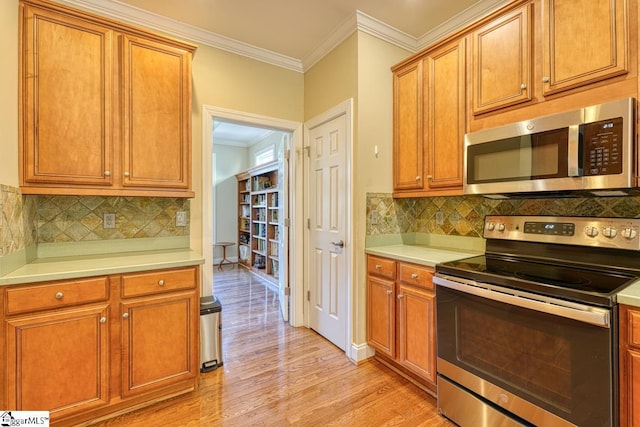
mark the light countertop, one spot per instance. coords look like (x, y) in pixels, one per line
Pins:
(417, 254)
(630, 295)
(77, 266)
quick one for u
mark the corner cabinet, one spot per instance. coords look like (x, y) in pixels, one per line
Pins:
(629, 366)
(429, 122)
(117, 122)
(401, 318)
(260, 220)
(95, 347)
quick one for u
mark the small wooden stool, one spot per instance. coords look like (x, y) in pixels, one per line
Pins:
(224, 259)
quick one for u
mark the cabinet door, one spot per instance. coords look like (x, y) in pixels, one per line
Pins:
(584, 41)
(502, 61)
(408, 145)
(445, 113)
(157, 114)
(416, 330)
(58, 361)
(67, 72)
(159, 336)
(381, 314)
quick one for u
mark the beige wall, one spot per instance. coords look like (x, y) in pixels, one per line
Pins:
(225, 80)
(9, 92)
(375, 128)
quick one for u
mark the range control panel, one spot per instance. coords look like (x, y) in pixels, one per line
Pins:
(622, 233)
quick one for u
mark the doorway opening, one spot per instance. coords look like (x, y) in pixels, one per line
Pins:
(239, 143)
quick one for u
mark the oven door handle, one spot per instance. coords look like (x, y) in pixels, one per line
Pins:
(580, 312)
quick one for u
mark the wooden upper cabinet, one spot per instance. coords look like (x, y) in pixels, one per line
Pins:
(105, 107)
(408, 143)
(445, 75)
(66, 100)
(583, 41)
(157, 114)
(502, 61)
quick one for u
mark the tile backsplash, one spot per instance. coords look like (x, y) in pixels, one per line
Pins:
(464, 215)
(29, 220)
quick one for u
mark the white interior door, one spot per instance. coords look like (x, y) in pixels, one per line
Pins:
(283, 227)
(328, 288)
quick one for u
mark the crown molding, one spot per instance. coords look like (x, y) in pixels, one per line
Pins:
(461, 20)
(136, 16)
(359, 21)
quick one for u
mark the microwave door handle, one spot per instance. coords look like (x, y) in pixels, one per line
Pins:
(574, 151)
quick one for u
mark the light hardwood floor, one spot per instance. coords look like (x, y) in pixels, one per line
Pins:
(278, 375)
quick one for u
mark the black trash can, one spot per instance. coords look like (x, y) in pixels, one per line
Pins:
(210, 334)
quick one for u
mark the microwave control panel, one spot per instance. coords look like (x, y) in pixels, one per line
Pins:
(602, 147)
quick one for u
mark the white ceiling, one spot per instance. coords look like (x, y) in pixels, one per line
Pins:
(295, 33)
(238, 135)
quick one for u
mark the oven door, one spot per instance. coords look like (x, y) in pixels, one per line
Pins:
(549, 362)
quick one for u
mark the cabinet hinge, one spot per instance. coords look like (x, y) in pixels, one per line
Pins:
(308, 295)
(308, 223)
(287, 291)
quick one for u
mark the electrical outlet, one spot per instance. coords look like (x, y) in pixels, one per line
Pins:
(439, 218)
(109, 220)
(181, 219)
(374, 217)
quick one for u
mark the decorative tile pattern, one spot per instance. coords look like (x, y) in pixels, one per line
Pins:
(17, 221)
(464, 215)
(80, 218)
(28, 220)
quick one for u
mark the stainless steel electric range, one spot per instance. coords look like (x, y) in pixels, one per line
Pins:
(527, 332)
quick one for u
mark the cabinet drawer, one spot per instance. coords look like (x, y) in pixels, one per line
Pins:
(416, 275)
(381, 267)
(634, 327)
(158, 282)
(56, 294)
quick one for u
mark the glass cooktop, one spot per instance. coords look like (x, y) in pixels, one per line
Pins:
(565, 281)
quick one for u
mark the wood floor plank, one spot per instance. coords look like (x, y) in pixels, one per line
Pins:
(277, 375)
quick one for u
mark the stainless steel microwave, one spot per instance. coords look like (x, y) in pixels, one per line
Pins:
(591, 148)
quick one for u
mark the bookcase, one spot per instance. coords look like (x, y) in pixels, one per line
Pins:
(259, 215)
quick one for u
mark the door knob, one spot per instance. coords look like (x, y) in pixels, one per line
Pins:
(339, 243)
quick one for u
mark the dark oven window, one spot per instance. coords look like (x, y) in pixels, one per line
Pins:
(559, 364)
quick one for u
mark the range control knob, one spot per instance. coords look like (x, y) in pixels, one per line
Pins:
(591, 231)
(500, 227)
(609, 232)
(490, 226)
(629, 233)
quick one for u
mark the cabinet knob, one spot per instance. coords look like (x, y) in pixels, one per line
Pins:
(389, 292)
(523, 86)
(546, 79)
(103, 320)
(414, 276)
(400, 296)
(161, 282)
(107, 173)
(429, 177)
(378, 266)
(125, 315)
(126, 174)
(418, 178)
(59, 295)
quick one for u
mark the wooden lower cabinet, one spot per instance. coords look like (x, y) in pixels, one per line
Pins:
(401, 318)
(629, 372)
(58, 361)
(89, 348)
